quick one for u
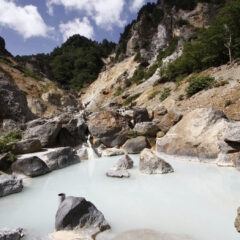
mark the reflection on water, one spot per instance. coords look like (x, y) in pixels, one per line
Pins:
(198, 200)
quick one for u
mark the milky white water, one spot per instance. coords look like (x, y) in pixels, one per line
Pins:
(198, 200)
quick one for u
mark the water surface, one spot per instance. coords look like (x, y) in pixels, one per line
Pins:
(197, 200)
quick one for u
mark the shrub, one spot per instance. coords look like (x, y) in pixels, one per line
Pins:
(153, 95)
(28, 73)
(228, 103)
(196, 84)
(166, 93)
(6, 61)
(131, 99)
(221, 83)
(149, 73)
(12, 136)
(132, 134)
(118, 92)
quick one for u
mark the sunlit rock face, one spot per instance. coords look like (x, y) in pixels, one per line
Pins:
(206, 134)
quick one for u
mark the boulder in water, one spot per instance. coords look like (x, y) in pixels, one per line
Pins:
(11, 234)
(237, 220)
(150, 163)
(9, 184)
(61, 158)
(78, 213)
(30, 166)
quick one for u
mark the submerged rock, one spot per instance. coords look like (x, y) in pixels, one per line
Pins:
(120, 169)
(25, 146)
(237, 220)
(118, 173)
(11, 234)
(30, 166)
(9, 184)
(150, 163)
(135, 145)
(76, 213)
(61, 158)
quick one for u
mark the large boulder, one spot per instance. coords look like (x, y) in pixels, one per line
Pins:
(149, 129)
(61, 158)
(197, 134)
(11, 234)
(135, 145)
(110, 127)
(237, 220)
(140, 115)
(150, 163)
(30, 166)
(13, 101)
(25, 146)
(77, 212)
(74, 131)
(46, 133)
(9, 184)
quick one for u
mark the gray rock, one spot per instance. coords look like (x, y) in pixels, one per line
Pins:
(61, 158)
(46, 133)
(11, 234)
(135, 145)
(149, 129)
(150, 163)
(13, 101)
(237, 220)
(118, 173)
(233, 134)
(35, 123)
(25, 146)
(77, 212)
(120, 169)
(9, 184)
(140, 115)
(82, 153)
(5, 164)
(30, 166)
(9, 125)
(124, 163)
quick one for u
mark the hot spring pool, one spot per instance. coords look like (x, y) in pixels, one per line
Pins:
(197, 200)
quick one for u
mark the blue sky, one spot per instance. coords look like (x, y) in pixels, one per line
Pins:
(36, 26)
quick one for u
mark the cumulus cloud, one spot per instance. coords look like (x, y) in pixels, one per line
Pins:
(136, 4)
(105, 13)
(76, 26)
(25, 20)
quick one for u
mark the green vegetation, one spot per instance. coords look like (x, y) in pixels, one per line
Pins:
(131, 99)
(77, 62)
(228, 103)
(118, 92)
(196, 84)
(166, 93)
(6, 61)
(28, 73)
(12, 136)
(140, 75)
(168, 51)
(153, 95)
(214, 46)
(132, 134)
(221, 83)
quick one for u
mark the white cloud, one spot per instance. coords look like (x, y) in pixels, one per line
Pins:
(76, 26)
(136, 4)
(25, 20)
(105, 13)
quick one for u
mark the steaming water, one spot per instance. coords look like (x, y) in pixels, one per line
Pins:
(198, 200)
